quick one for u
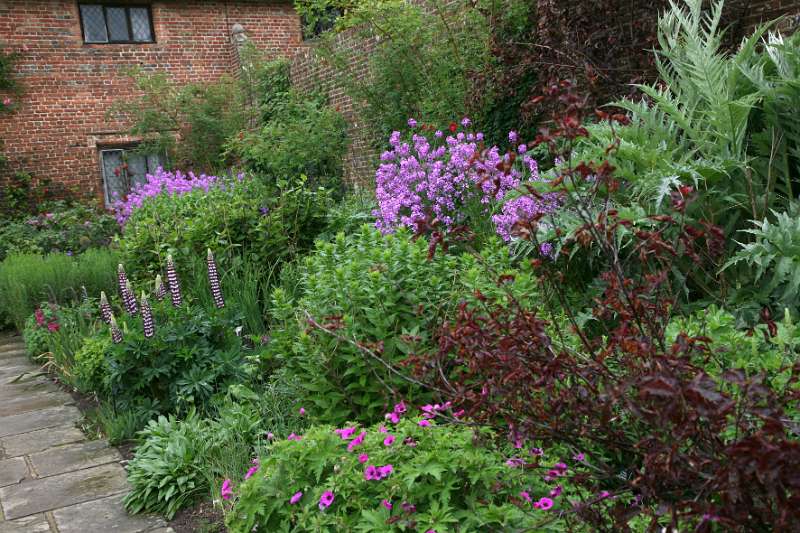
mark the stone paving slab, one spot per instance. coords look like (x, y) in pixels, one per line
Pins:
(45, 418)
(106, 515)
(45, 494)
(36, 441)
(12, 471)
(73, 457)
(26, 387)
(24, 404)
(30, 524)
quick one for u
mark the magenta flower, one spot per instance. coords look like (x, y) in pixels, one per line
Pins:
(302, 411)
(389, 440)
(579, 457)
(371, 473)
(356, 441)
(458, 414)
(412, 123)
(392, 417)
(384, 471)
(424, 423)
(251, 471)
(545, 504)
(556, 492)
(515, 462)
(295, 497)
(292, 436)
(537, 451)
(383, 429)
(226, 490)
(326, 500)
(345, 433)
(400, 408)
(525, 495)
(386, 503)
(363, 458)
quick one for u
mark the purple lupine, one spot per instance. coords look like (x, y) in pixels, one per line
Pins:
(161, 289)
(174, 283)
(122, 279)
(147, 317)
(130, 300)
(213, 280)
(105, 308)
(116, 333)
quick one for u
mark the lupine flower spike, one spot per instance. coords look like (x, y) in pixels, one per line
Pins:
(174, 284)
(116, 334)
(147, 317)
(122, 279)
(213, 280)
(130, 299)
(105, 308)
(161, 289)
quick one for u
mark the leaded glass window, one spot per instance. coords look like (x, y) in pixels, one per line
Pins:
(104, 23)
(123, 169)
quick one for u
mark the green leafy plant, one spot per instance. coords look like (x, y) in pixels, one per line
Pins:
(366, 303)
(193, 355)
(773, 258)
(167, 471)
(440, 478)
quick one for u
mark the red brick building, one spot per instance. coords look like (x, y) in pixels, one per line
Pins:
(73, 55)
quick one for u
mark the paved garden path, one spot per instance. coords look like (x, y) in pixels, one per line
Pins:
(52, 479)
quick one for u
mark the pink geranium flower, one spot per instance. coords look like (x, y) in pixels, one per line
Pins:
(363, 458)
(544, 504)
(424, 423)
(251, 471)
(389, 440)
(356, 441)
(387, 504)
(326, 500)
(345, 433)
(295, 497)
(294, 437)
(227, 491)
(525, 495)
(384, 471)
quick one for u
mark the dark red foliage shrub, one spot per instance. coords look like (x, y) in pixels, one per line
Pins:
(667, 439)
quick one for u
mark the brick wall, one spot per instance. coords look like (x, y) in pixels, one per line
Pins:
(68, 85)
(310, 72)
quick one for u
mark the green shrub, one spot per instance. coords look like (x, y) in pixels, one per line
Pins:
(91, 364)
(451, 475)
(36, 334)
(302, 136)
(382, 293)
(249, 220)
(61, 228)
(193, 355)
(27, 279)
(166, 473)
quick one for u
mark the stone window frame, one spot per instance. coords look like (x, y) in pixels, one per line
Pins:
(127, 7)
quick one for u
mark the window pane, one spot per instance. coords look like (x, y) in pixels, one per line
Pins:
(140, 24)
(114, 175)
(137, 168)
(153, 162)
(94, 24)
(117, 21)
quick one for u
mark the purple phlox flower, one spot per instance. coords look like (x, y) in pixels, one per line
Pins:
(512, 137)
(326, 500)
(522, 148)
(412, 123)
(466, 122)
(227, 489)
(295, 497)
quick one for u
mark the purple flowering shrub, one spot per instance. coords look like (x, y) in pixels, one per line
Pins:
(163, 183)
(411, 473)
(427, 180)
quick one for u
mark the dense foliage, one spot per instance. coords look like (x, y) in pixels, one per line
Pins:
(411, 476)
